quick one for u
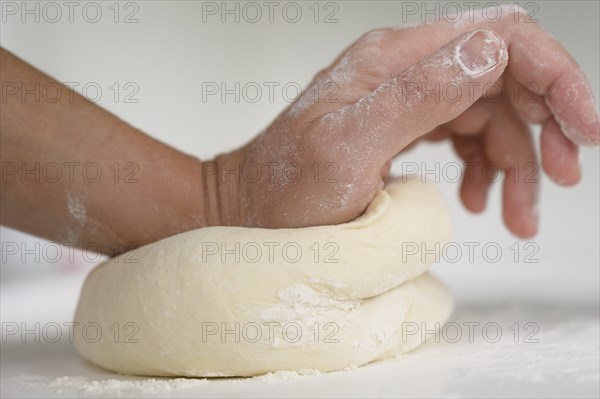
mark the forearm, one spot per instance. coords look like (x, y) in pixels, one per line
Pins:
(73, 172)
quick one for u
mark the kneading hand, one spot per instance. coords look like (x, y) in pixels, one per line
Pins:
(477, 83)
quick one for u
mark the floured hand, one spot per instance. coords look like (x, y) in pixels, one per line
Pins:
(390, 89)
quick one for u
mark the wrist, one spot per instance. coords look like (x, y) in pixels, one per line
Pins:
(222, 189)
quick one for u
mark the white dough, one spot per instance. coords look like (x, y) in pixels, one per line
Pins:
(196, 310)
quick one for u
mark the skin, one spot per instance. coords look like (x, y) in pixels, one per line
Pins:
(370, 107)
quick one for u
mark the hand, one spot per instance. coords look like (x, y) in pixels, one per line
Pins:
(394, 87)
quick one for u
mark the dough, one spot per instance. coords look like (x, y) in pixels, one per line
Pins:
(232, 301)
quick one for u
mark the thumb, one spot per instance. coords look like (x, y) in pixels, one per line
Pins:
(431, 92)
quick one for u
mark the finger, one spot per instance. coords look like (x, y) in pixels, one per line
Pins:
(416, 101)
(560, 157)
(385, 171)
(526, 100)
(535, 59)
(439, 133)
(476, 182)
(473, 120)
(508, 143)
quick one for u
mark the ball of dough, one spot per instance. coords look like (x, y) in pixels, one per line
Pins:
(234, 301)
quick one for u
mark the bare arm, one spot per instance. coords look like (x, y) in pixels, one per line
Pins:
(52, 154)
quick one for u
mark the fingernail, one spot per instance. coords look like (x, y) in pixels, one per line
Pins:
(480, 52)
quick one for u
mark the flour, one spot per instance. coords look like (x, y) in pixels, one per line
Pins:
(577, 90)
(77, 209)
(119, 387)
(152, 386)
(306, 306)
(383, 338)
(285, 376)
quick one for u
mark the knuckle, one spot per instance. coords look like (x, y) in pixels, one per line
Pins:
(372, 36)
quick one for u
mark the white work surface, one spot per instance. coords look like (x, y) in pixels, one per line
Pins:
(564, 362)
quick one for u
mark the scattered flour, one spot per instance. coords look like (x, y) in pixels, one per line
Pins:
(119, 387)
(151, 386)
(76, 207)
(285, 375)
(305, 305)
